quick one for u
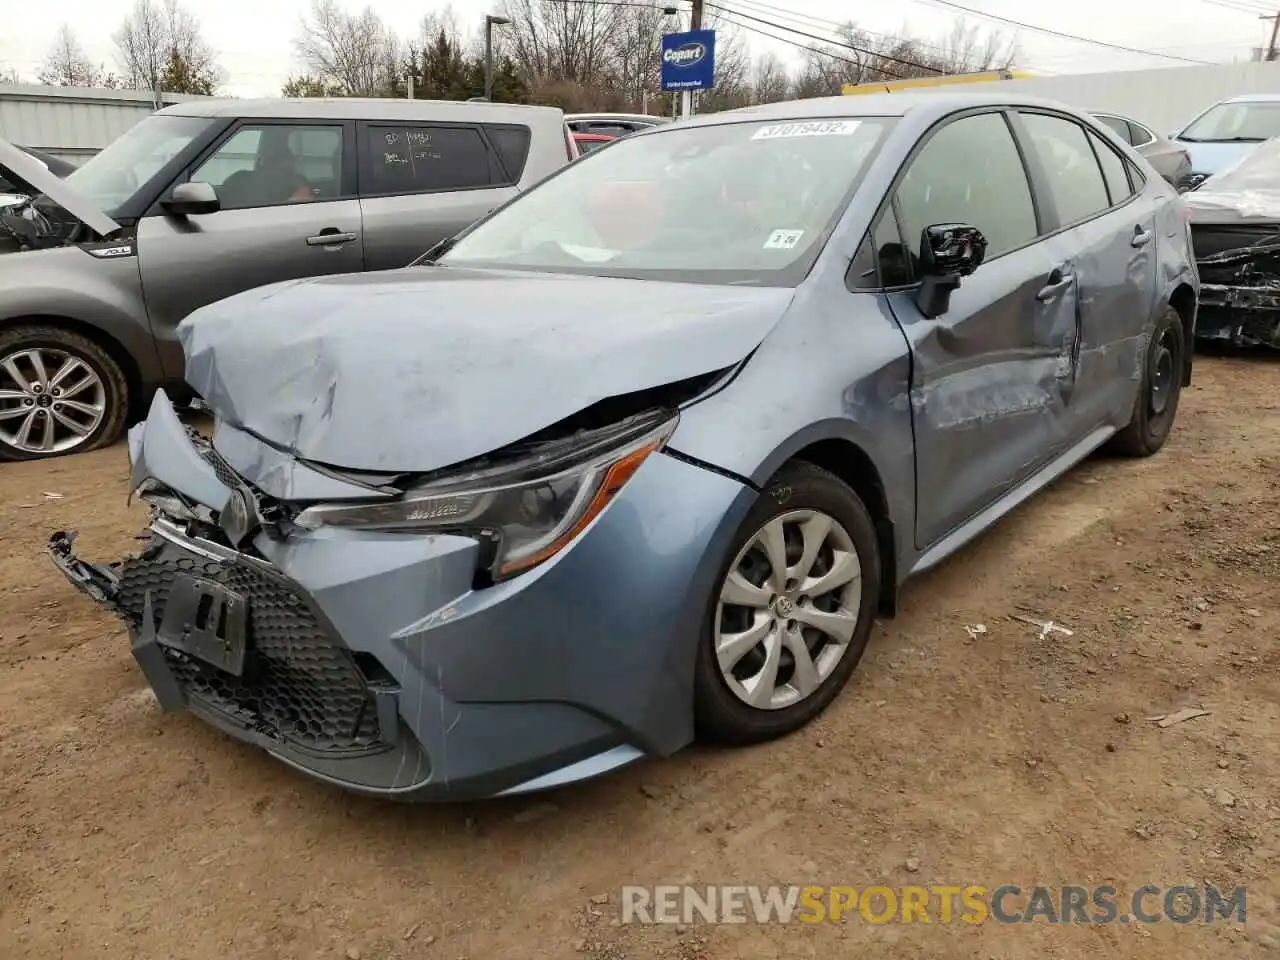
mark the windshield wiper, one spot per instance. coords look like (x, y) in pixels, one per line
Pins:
(1231, 140)
(436, 252)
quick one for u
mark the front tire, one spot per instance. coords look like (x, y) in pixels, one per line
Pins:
(792, 611)
(1158, 391)
(60, 393)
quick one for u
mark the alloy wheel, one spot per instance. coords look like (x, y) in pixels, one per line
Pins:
(788, 609)
(51, 400)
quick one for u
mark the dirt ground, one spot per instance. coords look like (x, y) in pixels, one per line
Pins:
(1003, 758)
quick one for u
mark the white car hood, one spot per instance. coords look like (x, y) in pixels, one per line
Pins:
(29, 172)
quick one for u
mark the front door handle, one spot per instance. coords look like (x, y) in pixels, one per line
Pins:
(1140, 237)
(330, 238)
(1058, 281)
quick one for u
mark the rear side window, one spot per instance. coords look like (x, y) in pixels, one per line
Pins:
(1073, 178)
(423, 159)
(1139, 136)
(1121, 127)
(1113, 171)
(988, 189)
(611, 129)
(512, 144)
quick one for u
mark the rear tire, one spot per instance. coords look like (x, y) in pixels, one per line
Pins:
(1160, 388)
(60, 393)
(825, 542)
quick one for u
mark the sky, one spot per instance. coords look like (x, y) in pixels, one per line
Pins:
(253, 38)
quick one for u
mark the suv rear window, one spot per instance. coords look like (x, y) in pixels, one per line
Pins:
(512, 144)
(403, 159)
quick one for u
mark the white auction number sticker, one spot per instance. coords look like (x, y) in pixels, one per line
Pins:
(808, 128)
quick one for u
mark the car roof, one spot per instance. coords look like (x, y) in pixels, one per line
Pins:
(362, 108)
(647, 117)
(1252, 98)
(927, 103)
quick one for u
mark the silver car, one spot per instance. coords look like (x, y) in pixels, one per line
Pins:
(209, 198)
(643, 455)
(1170, 160)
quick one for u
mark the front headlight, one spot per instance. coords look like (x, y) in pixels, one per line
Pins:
(526, 511)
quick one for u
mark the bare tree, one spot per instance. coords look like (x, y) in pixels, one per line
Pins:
(637, 52)
(352, 52)
(860, 56)
(9, 75)
(572, 42)
(161, 39)
(770, 81)
(968, 49)
(67, 65)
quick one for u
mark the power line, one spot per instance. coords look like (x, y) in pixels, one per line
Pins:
(830, 56)
(1058, 33)
(835, 43)
(1240, 6)
(835, 26)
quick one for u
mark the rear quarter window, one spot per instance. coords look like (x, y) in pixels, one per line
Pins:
(512, 143)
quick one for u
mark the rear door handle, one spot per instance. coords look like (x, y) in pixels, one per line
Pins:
(330, 239)
(1140, 237)
(1058, 281)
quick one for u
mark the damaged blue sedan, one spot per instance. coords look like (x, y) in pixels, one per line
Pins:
(641, 456)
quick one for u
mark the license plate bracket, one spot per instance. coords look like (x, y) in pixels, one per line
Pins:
(207, 621)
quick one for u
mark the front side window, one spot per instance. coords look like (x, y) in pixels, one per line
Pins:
(969, 172)
(1251, 121)
(744, 202)
(264, 164)
(421, 159)
(112, 176)
(1072, 175)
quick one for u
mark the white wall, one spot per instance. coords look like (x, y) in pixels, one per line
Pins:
(1164, 99)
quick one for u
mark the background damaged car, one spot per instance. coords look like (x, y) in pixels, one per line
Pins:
(1235, 230)
(643, 454)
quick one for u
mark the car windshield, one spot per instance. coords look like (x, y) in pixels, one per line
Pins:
(111, 176)
(1249, 121)
(742, 202)
(1256, 173)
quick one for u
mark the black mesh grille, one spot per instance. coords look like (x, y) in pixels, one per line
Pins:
(298, 686)
(221, 468)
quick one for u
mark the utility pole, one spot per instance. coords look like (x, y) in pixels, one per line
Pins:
(1275, 30)
(695, 23)
(490, 21)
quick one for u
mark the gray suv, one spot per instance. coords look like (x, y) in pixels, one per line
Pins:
(208, 198)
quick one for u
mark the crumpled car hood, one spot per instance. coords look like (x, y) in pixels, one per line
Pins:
(417, 369)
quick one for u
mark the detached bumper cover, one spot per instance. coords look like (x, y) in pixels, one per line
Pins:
(369, 661)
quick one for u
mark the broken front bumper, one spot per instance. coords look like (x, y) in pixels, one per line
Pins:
(370, 661)
(1239, 291)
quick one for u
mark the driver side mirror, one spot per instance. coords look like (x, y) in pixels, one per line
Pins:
(948, 253)
(189, 199)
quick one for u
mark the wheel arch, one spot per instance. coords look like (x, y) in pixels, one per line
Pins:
(1183, 299)
(854, 466)
(113, 348)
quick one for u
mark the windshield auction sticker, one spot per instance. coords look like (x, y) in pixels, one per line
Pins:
(812, 128)
(783, 239)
